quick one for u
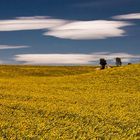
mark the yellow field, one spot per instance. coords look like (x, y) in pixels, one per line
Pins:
(68, 103)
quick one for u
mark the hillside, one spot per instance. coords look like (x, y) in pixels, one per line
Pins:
(40, 102)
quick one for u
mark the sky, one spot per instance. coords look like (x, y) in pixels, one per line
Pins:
(69, 32)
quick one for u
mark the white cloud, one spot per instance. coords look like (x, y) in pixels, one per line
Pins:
(3, 47)
(61, 28)
(71, 58)
(53, 58)
(127, 16)
(82, 30)
(29, 23)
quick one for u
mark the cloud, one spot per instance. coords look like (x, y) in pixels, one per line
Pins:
(3, 47)
(127, 16)
(58, 59)
(29, 23)
(53, 58)
(67, 29)
(83, 30)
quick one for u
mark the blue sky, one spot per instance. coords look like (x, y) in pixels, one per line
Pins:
(69, 31)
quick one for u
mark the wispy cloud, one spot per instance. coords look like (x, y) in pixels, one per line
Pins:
(72, 58)
(67, 29)
(3, 47)
(82, 30)
(127, 16)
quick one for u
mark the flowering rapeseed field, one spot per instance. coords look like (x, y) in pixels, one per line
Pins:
(69, 103)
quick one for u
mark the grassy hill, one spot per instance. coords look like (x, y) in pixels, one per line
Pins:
(52, 103)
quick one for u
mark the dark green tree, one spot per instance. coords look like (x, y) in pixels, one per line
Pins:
(103, 63)
(118, 61)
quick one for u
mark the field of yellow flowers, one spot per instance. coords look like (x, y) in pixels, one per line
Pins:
(69, 103)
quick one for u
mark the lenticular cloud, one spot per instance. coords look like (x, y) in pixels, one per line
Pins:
(128, 16)
(67, 29)
(98, 29)
(30, 23)
(4, 47)
(72, 58)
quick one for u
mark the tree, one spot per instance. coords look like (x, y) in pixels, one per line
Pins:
(118, 61)
(103, 63)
